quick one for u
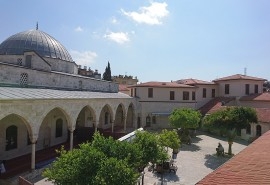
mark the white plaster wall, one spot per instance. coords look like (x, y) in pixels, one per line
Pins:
(237, 87)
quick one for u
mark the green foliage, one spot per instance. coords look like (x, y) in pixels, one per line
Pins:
(169, 139)
(120, 150)
(79, 166)
(89, 164)
(107, 74)
(185, 118)
(114, 171)
(148, 144)
(231, 118)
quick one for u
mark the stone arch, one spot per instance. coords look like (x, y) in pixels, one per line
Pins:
(120, 115)
(49, 129)
(130, 116)
(85, 124)
(22, 140)
(106, 117)
(49, 109)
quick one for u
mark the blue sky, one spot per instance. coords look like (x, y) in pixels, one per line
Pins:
(153, 40)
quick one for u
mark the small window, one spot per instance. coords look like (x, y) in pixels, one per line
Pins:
(24, 79)
(248, 129)
(11, 137)
(135, 92)
(256, 89)
(193, 95)
(227, 88)
(204, 92)
(213, 93)
(247, 89)
(150, 92)
(185, 95)
(59, 128)
(132, 92)
(171, 95)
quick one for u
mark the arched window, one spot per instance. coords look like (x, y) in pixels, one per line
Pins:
(59, 128)
(248, 129)
(11, 137)
(106, 118)
(258, 130)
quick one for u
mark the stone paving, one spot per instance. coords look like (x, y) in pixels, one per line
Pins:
(194, 161)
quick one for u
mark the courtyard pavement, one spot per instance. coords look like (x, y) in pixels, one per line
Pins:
(194, 162)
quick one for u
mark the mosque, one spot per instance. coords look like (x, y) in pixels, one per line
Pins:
(45, 102)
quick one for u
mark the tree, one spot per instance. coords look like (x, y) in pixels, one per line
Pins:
(115, 172)
(107, 74)
(231, 119)
(185, 118)
(98, 163)
(169, 139)
(149, 146)
(79, 166)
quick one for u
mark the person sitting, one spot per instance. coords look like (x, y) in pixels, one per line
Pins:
(220, 150)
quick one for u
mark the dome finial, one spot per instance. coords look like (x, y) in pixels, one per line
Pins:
(37, 26)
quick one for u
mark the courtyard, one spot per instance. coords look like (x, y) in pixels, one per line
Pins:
(195, 161)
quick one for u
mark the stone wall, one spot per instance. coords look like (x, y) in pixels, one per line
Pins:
(10, 74)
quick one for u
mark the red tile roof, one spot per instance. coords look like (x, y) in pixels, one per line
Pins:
(191, 81)
(123, 87)
(256, 97)
(239, 77)
(215, 104)
(263, 115)
(250, 166)
(162, 84)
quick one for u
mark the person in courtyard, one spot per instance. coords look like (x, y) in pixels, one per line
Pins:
(220, 149)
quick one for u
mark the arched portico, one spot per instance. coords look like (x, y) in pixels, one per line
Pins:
(120, 117)
(130, 118)
(85, 124)
(15, 135)
(106, 118)
(53, 129)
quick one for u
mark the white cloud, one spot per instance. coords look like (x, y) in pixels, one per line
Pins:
(114, 20)
(151, 15)
(78, 29)
(119, 37)
(85, 58)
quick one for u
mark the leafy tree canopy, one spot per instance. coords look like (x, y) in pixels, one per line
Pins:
(149, 146)
(185, 118)
(169, 139)
(231, 118)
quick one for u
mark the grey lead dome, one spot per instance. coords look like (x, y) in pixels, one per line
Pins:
(34, 40)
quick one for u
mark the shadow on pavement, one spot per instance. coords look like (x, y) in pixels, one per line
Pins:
(170, 177)
(213, 161)
(195, 139)
(192, 147)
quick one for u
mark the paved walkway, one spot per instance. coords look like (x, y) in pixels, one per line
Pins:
(194, 161)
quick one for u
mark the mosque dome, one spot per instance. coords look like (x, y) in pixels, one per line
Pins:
(34, 40)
